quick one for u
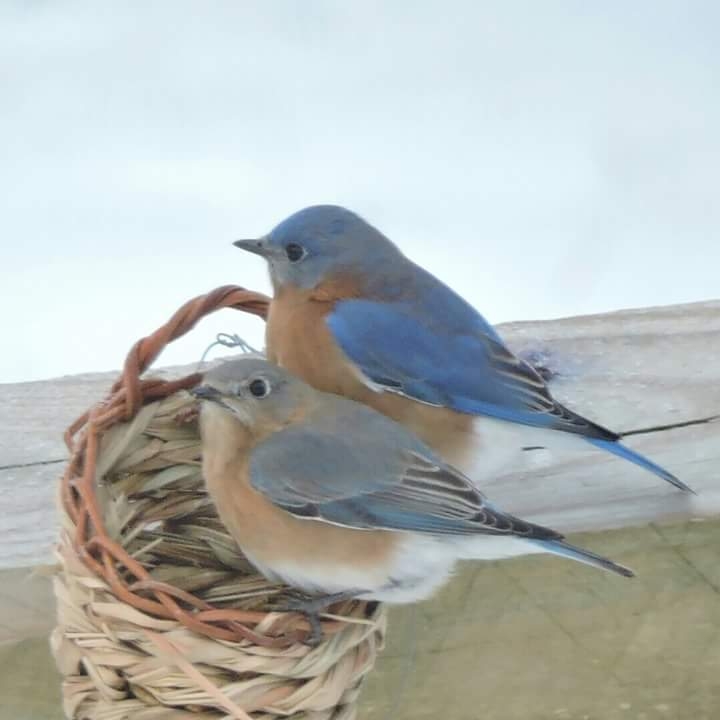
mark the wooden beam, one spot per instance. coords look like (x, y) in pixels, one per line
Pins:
(652, 372)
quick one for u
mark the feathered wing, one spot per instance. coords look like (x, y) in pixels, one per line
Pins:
(469, 371)
(372, 474)
(467, 368)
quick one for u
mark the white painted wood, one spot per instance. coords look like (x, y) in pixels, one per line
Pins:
(628, 370)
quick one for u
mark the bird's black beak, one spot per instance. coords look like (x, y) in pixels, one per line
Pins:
(257, 246)
(205, 392)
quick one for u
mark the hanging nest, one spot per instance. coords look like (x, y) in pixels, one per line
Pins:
(160, 617)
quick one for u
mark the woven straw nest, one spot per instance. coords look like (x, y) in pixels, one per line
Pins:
(160, 617)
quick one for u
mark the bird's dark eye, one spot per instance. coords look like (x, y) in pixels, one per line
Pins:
(294, 252)
(259, 388)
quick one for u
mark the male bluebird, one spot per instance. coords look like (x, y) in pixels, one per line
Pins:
(331, 497)
(353, 316)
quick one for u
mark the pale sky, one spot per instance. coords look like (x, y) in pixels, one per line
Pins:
(545, 159)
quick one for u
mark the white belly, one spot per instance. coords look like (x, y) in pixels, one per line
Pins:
(419, 566)
(495, 449)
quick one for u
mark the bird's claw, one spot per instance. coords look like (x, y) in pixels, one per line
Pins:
(310, 608)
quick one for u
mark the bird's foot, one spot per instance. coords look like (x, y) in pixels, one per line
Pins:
(311, 607)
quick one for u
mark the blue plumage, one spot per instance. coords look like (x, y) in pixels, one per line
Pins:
(563, 549)
(409, 333)
(624, 452)
(468, 370)
(383, 516)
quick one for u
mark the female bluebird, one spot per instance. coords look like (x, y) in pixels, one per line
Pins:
(353, 316)
(331, 497)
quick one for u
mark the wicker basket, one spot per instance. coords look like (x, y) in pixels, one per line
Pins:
(159, 615)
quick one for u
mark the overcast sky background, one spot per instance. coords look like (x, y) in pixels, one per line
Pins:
(545, 159)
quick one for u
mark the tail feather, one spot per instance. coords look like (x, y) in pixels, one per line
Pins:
(563, 549)
(621, 451)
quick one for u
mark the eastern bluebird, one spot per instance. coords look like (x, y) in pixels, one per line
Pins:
(329, 496)
(353, 316)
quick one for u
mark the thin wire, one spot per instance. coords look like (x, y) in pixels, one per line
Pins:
(228, 340)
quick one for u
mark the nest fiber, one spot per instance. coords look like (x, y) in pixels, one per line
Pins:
(160, 617)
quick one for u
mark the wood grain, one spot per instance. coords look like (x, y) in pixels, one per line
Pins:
(633, 370)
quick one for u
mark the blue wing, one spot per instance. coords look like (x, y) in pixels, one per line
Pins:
(463, 366)
(377, 476)
(380, 476)
(443, 352)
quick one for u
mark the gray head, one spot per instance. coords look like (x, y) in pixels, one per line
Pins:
(255, 392)
(318, 243)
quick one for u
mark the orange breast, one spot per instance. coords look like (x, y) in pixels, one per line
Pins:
(299, 340)
(270, 536)
(274, 538)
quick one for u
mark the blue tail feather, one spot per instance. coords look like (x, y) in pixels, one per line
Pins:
(626, 453)
(563, 549)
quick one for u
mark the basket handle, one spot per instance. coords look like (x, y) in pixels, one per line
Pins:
(129, 391)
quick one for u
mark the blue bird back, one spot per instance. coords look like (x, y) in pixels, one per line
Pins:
(429, 344)
(420, 339)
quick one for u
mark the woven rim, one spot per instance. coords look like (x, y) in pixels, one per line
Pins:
(98, 551)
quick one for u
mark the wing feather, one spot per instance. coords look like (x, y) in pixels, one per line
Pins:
(377, 476)
(392, 345)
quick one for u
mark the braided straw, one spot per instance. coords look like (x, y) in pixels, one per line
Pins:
(160, 617)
